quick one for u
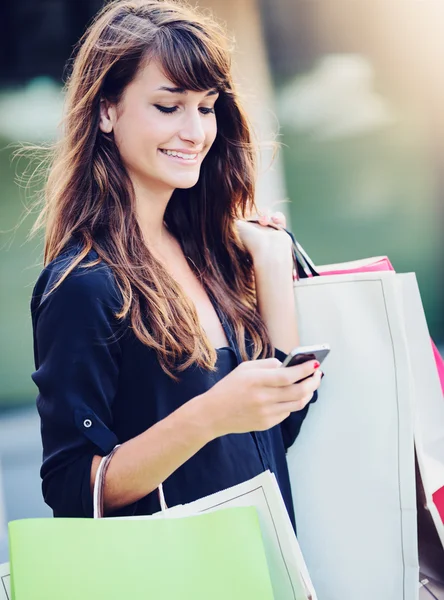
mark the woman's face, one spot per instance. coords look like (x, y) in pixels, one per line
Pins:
(156, 122)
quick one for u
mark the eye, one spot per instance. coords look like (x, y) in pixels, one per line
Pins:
(166, 109)
(206, 111)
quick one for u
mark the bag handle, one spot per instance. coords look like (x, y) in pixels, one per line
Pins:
(99, 487)
(303, 265)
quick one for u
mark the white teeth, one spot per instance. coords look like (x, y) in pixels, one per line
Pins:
(179, 154)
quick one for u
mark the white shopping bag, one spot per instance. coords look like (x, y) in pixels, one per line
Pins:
(5, 589)
(429, 590)
(288, 572)
(429, 404)
(429, 442)
(5, 582)
(352, 466)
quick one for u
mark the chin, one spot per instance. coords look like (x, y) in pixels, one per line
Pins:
(184, 182)
(184, 186)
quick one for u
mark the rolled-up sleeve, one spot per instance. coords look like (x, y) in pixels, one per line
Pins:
(291, 426)
(77, 356)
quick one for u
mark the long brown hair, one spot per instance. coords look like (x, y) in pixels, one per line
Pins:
(89, 196)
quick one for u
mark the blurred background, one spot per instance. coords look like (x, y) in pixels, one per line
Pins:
(352, 89)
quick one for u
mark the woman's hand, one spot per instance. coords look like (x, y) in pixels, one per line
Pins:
(270, 248)
(263, 241)
(257, 395)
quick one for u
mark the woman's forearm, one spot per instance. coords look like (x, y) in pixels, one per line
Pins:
(273, 269)
(141, 464)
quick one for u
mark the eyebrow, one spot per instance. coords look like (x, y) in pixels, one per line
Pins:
(181, 90)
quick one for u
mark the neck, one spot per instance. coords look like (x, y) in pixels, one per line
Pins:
(151, 205)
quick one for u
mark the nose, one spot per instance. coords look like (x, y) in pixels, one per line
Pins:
(193, 128)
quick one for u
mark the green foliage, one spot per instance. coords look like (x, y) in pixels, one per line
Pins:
(368, 196)
(20, 263)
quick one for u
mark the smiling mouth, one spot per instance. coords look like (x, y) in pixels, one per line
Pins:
(180, 155)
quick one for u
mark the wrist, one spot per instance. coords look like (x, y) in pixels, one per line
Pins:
(200, 413)
(276, 254)
(277, 268)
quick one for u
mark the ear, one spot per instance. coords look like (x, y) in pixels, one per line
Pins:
(107, 116)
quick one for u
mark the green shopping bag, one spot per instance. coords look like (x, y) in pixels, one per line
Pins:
(217, 556)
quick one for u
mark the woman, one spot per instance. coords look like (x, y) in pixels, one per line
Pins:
(158, 312)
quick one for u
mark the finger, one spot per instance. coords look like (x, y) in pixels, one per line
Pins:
(265, 217)
(314, 381)
(279, 218)
(262, 363)
(284, 376)
(300, 391)
(302, 373)
(294, 405)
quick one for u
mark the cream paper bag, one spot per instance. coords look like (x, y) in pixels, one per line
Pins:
(352, 466)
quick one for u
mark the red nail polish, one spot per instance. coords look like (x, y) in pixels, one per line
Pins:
(316, 365)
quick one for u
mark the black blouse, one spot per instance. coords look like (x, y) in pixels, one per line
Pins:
(100, 386)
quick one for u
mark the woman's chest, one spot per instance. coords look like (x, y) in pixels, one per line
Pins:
(146, 394)
(196, 293)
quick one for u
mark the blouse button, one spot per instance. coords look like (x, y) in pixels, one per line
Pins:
(87, 423)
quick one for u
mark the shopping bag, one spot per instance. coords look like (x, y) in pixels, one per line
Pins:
(431, 552)
(439, 364)
(412, 322)
(428, 368)
(351, 467)
(429, 590)
(288, 572)
(367, 265)
(429, 408)
(5, 582)
(429, 411)
(217, 555)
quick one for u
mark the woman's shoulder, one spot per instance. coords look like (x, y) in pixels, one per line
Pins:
(89, 280)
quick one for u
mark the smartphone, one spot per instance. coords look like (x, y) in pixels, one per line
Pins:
(300, 355)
